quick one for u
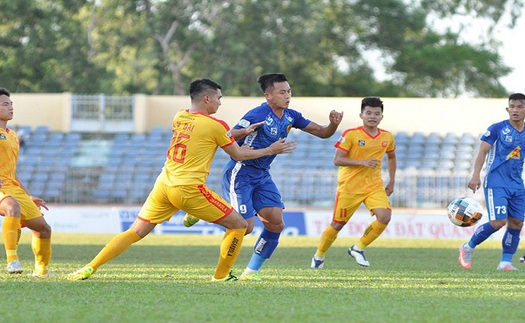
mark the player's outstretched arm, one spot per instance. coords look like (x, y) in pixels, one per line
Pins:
(245, 152)
(328, 130)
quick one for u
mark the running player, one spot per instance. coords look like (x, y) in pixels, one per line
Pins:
(503, 186)
(180, 185)
(359, 154)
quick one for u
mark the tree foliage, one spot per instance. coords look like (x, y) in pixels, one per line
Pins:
(326, 47)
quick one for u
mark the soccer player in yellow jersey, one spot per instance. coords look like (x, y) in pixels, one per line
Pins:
(181, 183)
(359, 153)
(17, 206)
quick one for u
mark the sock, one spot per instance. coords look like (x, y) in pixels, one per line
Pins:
(230, 249)
(264, 248)
(42, 250)
(327, 239)
(115, 247)
(10, 228)
(482, 233)
(371, 233)
(509, 243)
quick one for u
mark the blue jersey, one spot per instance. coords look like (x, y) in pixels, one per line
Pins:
(272, 130)
(504, 160)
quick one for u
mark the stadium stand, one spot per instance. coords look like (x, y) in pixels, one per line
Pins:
(75, 168)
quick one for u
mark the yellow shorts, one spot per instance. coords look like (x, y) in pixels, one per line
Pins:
(28, 208)
(347, 204)
(198, 200)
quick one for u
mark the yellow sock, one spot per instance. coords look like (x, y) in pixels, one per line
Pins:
(373, 231)
(230, 249)
(327, 239)
(42, 251)
(115, 247)
(10, 229)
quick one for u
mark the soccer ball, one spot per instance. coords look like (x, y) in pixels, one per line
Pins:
(464, 211)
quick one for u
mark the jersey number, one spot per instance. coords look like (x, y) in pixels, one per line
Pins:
(177, 150)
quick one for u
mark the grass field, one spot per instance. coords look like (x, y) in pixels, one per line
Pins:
(167, 279)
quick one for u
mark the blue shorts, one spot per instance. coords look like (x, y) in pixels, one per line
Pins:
(503, 203)
(249, 189)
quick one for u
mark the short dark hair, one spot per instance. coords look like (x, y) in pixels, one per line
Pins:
(202, 86)
(4, 91)
(517, 96)
(267, 80)
(371, 101)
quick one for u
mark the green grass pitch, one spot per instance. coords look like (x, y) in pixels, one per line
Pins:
(167, 279)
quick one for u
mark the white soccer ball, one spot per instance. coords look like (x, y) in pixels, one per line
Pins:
(464, 211)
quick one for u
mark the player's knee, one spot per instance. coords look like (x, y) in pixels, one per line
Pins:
(274, 227)
(45, 231)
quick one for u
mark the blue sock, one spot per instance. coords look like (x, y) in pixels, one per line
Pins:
(509, 243)
(264, 248)
(483, 232)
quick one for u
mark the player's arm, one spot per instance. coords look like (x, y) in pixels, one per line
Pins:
(38, 201)
(328, 130)
(340, 159)
(391, 164)
(240, 133)
(475, 181)
(243, 153)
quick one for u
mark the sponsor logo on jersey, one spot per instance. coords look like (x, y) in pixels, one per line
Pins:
(269, 120)
(505, 131)
(515, 154)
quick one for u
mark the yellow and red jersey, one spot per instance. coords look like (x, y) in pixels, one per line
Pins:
(195, 140)
(360, 145)
(9, 148)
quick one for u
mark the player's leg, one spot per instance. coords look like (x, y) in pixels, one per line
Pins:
(41, 244)
(511, 238)
(156, 209)
(230, 245)
(10, 209)
(272, 219)
(207, 205)
(496, 201)
(378, 204)
(344, 208)
(33, 219)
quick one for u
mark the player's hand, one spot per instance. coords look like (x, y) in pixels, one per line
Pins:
(371, 163)
(39, 202)
(282, 147)
(335, 117)
(389, 189)
(474, 184)
(253, 127)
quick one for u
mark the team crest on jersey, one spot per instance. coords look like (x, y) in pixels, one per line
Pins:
(2, 136)
(508, 138)
(515, 154)
(273, 131)
(384, 144)
(361, 143)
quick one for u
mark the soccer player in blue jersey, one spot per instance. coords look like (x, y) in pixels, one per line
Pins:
(248, 184)
(503, 184)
